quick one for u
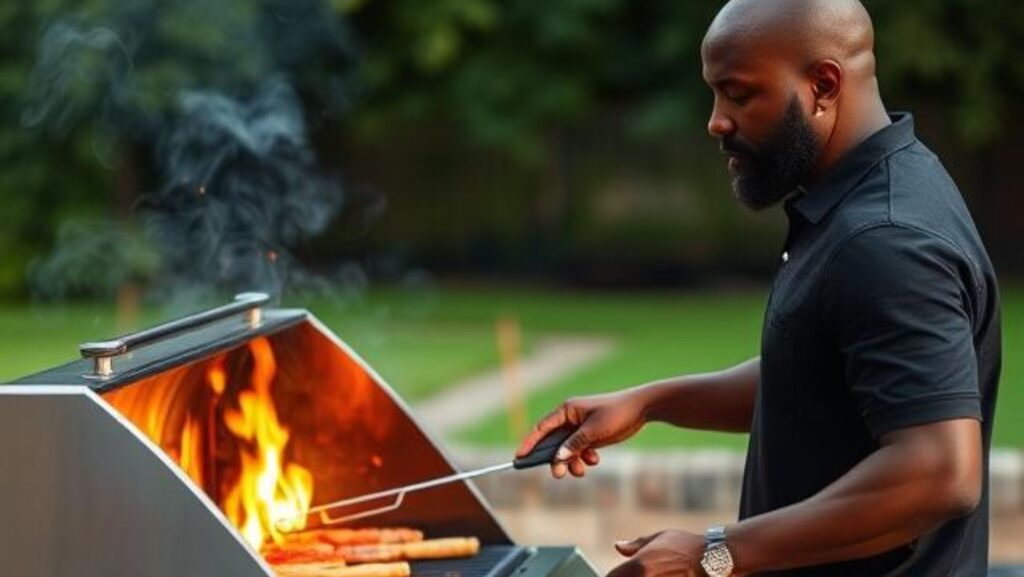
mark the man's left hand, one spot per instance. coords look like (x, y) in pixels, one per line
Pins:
(663, 554)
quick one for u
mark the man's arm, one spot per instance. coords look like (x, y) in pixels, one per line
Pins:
(720, 401)
(920, 478)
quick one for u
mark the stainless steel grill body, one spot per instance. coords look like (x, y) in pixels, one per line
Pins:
(88, 492)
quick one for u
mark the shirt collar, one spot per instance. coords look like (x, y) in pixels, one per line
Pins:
(818, 199)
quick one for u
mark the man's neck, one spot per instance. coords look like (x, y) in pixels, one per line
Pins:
(860, 124)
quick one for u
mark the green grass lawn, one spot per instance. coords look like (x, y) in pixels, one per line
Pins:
(33, 338)
(1009, 425)
(415, 355)
(658, 335)
(422, 342)
(661, 335)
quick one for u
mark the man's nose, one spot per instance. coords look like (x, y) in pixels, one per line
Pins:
(720, 125)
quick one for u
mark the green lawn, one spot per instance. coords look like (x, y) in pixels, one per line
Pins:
(33, 338)
(658, 335)
(420, 343)
(417, 356)
(665, 334)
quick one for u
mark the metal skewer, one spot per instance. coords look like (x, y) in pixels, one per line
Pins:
(543, 453)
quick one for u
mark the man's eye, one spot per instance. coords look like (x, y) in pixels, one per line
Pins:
(738, 97)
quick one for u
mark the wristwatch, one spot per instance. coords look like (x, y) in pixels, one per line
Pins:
(717, 560)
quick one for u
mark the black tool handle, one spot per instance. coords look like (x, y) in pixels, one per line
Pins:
(543, 453)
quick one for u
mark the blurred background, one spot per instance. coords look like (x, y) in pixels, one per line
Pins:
(515, 199)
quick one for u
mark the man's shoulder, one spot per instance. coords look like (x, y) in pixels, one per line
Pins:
(907, 213)
(921, 190)
(908, 190)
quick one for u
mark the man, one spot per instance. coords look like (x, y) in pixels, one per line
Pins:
(870, 407)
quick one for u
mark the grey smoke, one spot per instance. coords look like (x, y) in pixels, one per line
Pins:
(235, 189)
(241, 188)
(93, 256)
(78, 73)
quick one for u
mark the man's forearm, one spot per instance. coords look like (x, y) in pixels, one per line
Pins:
(895, 495)
(721, 401)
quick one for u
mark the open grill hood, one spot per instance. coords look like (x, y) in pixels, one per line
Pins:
(95, 482)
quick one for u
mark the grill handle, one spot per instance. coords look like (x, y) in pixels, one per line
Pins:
(104, 352)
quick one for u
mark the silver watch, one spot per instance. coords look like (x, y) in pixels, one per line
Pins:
(717, 560)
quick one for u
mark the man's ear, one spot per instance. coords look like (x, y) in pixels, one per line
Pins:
(826, 85)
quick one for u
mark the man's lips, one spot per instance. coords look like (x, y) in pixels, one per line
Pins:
(733, 158)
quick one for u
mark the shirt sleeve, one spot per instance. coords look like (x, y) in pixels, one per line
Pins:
(896, 301)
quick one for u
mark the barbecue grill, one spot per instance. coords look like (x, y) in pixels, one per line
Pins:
(132, 460)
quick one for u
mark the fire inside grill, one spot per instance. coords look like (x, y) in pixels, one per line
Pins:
(229, 441)
(176, 450)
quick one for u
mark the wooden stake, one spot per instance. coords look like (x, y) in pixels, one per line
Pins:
(509, 335)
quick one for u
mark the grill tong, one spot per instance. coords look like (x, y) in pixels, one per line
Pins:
(542, 454)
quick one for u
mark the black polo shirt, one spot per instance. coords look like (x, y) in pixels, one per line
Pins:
(883, 314)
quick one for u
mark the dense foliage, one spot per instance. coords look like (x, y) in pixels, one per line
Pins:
(88, 87)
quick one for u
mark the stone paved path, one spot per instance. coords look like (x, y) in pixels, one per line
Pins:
(480, 397)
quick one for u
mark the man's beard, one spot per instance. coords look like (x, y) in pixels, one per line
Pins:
(768, 173)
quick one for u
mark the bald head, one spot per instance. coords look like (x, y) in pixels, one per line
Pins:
(789, 77)
(804, 31)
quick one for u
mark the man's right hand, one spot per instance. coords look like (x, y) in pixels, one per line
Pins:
(599, 420)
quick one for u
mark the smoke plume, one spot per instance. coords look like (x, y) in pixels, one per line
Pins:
(240, 188)
(230, 185)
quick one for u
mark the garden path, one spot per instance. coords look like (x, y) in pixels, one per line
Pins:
(479, 397)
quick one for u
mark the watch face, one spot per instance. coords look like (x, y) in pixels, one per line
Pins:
(717, 561)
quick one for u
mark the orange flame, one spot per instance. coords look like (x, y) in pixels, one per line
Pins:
(191, 450)
(217, 377)
(180, 413)
(268, 490)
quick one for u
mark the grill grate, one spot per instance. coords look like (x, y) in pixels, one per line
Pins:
(491, 561)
